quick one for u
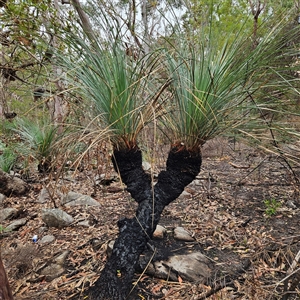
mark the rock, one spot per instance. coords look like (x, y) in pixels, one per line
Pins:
(85, 223)
(52, 271)
(146, 166)
(110, 247)
(152, 271)
(56, 218)
(98, 178)
(72, 199)
(191, 267)
(2, 198)
(47, 239)
(6, 213)
(159, 232)
(181, 234)
(291, 204)
(160, 270)
(103, 180)
(184, 195)
(56, 268)
(44, 196)
(196, 182)
(12, 185)
(16, 224)
(61, 258)
(96, 244)
(42, 229)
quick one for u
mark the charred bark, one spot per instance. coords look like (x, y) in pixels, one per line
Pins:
(182, 167)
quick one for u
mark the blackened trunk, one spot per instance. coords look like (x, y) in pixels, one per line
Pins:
(183, 166)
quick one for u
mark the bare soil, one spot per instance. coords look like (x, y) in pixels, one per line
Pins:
(243, 211)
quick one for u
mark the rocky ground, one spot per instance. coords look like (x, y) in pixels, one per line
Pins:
(242, 213)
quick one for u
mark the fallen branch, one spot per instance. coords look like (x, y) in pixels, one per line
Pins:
(238, 166)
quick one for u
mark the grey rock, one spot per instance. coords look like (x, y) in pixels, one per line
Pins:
(61, 258)
(52, 271)
(85, 223)
(146, 166)
(191, 267)
(16, 224)
(185, 195)
(110, 247)
(291, 204)
(98, 178)
(6, 213)
(181, 234)
(73, 199)
(42, 229)
(159, 232)
(2, 198)
(43, 196)
(56, 267)
(160, 270)
(150, 270)
(56, 218)
(96, 244)
(196, 182)
(14, 185)
(47, 239)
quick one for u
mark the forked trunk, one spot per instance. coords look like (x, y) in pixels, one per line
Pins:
(182, 167)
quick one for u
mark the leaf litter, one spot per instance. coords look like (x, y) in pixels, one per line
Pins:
(223, 209)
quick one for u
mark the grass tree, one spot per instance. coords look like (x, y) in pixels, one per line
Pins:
(38, 141)
(117, 89)
(8, 158)
(211, 88)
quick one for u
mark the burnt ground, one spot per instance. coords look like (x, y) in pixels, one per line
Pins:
(243, 211)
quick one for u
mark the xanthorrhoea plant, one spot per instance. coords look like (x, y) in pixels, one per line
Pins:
(114, 86)
(213, 89)
(211, 86)
(214, 86)
(39, 138)
(8, 157)
(116, 92)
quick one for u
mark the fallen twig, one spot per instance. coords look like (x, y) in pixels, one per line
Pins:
(290, 272)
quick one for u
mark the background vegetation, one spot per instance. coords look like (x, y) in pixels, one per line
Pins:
(147, 50)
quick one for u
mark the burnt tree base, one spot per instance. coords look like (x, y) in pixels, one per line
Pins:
(115, 282)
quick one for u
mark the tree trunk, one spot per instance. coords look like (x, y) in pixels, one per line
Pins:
(12, 185)
(59, 108)
(85, 23)
(183, 166)
(256, 9)
(5, 291)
